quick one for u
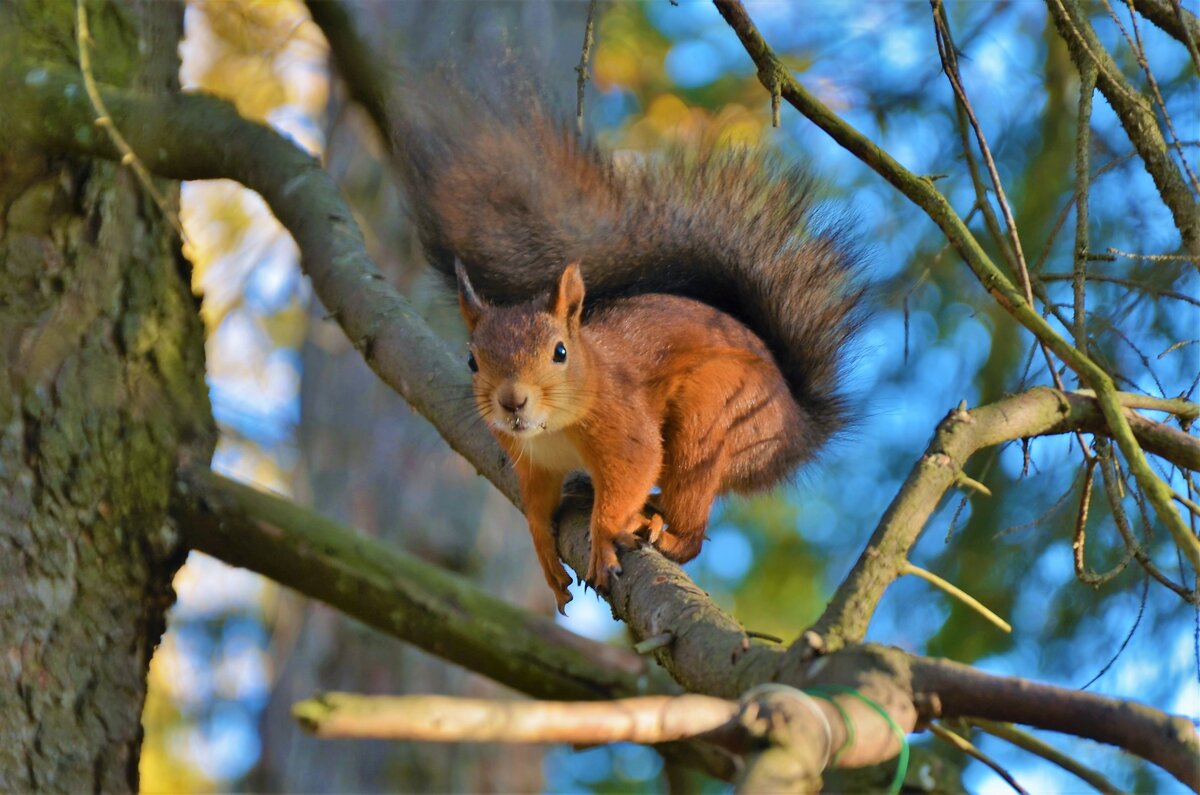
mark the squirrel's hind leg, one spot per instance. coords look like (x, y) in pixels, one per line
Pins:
(687, 496)
(723, 428)
(694, 466)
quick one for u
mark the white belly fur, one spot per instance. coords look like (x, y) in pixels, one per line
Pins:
(553, 452)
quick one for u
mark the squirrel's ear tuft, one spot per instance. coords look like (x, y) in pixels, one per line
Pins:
(468, 302)
(566, 299)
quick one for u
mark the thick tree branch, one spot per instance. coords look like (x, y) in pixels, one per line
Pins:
(188, 137)
(1171, 739)
(921, 191)
(437, 611)
(453, 619)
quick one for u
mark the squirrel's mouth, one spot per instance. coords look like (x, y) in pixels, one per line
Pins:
(517, 425)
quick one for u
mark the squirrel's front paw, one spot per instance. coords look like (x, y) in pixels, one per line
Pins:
(601, 565)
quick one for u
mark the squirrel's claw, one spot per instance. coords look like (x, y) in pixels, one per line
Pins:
(602, 565)
(562, 597)
(650, 529)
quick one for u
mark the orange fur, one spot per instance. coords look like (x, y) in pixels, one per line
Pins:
(653, 389)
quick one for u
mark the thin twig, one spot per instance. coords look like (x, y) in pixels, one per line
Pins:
(964, 745)
(104, 120)
(1112, 489)
(1138, 119)
(1176, 346)
(1079, 542)
(1187, 503)
(1152, 257)
(582, 70)
(1013, 249)
(1130, 283)
(950, 63)
(1054, 508)
(957, 593)
(1128, 637)
(1186, 30)
(1087, 86)
(1183, 409)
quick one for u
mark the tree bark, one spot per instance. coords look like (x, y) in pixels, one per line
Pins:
(102, 395)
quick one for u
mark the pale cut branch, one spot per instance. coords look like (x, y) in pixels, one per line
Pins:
(647, 719)
(959, 594)
(787, 737)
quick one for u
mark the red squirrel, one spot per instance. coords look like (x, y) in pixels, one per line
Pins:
(678, 322)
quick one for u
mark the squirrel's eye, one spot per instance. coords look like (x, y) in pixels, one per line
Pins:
(474, 365)
(560, 353)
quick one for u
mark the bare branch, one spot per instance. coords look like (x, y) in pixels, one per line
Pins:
(648, 719)
(920, 191)
(957, 593)
(979, 695)
(581, 71)
(1139, 53)
(1130, 283)
(104, 120)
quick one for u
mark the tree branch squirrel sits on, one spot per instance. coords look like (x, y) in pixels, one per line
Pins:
(677, 322)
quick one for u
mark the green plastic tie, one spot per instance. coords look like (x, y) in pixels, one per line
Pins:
(826, 692)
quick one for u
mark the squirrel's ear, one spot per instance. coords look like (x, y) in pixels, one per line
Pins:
(566, 300)
(468, 302)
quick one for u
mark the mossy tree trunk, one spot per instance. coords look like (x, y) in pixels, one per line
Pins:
(102, 397)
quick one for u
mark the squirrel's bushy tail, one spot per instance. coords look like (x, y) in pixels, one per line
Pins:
(511, 192)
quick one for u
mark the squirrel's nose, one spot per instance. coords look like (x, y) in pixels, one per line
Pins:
(512, 401)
